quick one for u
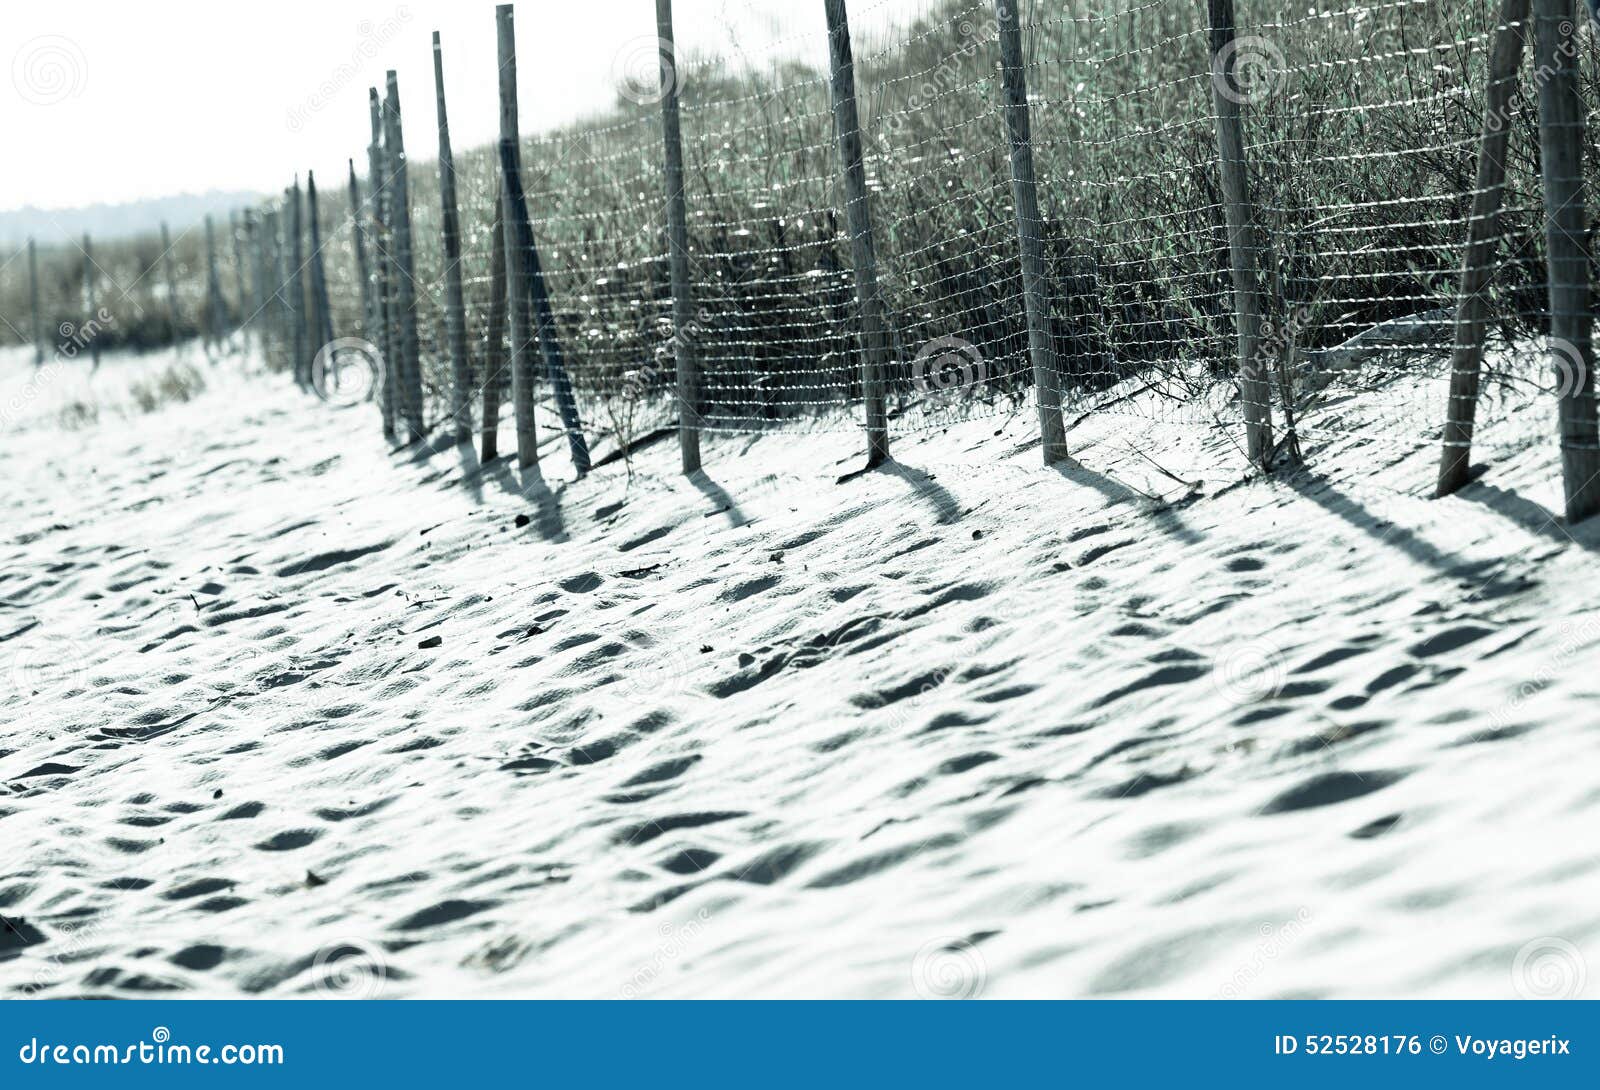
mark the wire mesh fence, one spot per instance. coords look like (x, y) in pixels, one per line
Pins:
(1361, 128)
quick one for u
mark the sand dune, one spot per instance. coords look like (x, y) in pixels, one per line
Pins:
(290, 714)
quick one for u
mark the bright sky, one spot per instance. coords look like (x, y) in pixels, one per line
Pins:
(114, 100)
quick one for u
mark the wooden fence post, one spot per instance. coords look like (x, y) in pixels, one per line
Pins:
(1030, 241)
(455, 308)
(172, 283)
(278, 263)
(238, 274)
(1227, 96)
(858, 215)
(214, 301)
(1483, 229)
(684, 356)
(544, 319)
(255, 236)
(358, 234)
(1555, 51)
(296, 287)
(33, 303)
(91, 304)
(321, 308)
(409, 370)
(516, 269)
(383, 273)
(494, 349)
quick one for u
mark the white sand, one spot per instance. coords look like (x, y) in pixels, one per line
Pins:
(967, 726)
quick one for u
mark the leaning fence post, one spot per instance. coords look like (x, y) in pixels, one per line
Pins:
(1227, 96)
(172, 282)
(33, 303)
(383, 274)
(409, 399)
(544, 319)
(90, 305)
(1030, 242)
(494, 349)
(296, 286)
(858, 215)
(516, 269)
(455, 308)
(685, 359)
(1483, 227)
(321, 309)
(1571, 319)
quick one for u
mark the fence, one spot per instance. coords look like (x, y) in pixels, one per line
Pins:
(1296, 229)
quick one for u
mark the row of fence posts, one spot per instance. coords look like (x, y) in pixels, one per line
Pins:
(214, 309)
(1561, 132)
(298, 315)
(1561, 139)
(521, 317)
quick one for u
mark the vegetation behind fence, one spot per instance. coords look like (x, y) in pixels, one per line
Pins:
(1358, 137)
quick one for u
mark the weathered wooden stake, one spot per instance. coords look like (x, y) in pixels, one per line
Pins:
(382, 268)
(358, 233)
(521, 321)
(455, 308)
(33, 303)
(1555, 50)
(215, 305)
(858, 215)
(296, 288)
(321, 308)
(255, 235)
(409, 397)
(1477, 260)
(1227, 95)
(91, 304)
(278, 266)
(494, 349)
(544, 319)
(172, 283)
(684, 357)
(238, 275)
(1030, 234)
